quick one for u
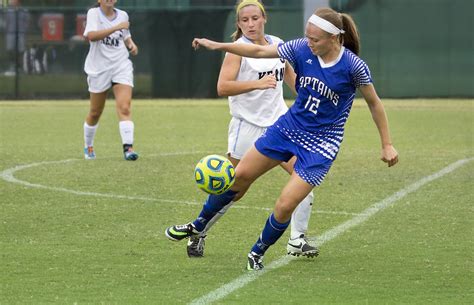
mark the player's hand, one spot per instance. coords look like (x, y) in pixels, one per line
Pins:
(267, 82)
(206, 43)
(389, 155)
(132, 48)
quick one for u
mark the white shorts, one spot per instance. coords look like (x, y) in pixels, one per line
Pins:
(122, 74)
(242, 136)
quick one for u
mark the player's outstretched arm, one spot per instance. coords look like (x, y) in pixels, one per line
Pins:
(242, 49)
(389, 153)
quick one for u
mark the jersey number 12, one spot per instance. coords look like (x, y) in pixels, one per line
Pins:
(312, 104)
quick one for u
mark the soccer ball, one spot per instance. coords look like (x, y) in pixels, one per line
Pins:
(214, 174)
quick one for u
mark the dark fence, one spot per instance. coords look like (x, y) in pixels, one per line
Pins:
(50, 50)
(420, 48)
(414, 48)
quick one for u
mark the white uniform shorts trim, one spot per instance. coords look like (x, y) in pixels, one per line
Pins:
(242, 136)
(122, 74)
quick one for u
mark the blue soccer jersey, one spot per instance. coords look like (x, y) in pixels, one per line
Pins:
(325, 95)
(313, 128)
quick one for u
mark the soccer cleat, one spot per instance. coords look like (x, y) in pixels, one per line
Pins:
(130, 154)
(300, 246)
(254, 261)
(89, 153)
(195, 246)
(179, 232)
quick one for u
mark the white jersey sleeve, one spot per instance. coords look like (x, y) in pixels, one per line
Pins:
(92, 22)
(126, 33)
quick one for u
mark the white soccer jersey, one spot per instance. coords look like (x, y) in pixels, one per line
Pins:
(111, 51)
(260, 107)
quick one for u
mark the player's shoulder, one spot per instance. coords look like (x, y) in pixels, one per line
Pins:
(350, 55)
(296, 47)
(242, 39)
(121, 14)
(296, 43)
(353, 59)
(272, 39)
(93, 11)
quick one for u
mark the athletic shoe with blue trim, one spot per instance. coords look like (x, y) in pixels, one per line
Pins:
(254, 262)
(179, 232)
(89, 153)
(130, 154)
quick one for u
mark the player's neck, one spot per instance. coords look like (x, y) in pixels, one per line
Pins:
(108, 11)
(262, 41)
(332, 55)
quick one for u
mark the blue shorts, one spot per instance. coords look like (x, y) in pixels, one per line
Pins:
(310, 166)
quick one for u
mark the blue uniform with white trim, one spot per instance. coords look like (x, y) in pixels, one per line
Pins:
(313, 127)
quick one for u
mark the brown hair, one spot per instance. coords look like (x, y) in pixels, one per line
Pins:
(350, 39)
(238, 32)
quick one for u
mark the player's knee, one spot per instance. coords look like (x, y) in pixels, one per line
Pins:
(124, 111)
(95, 114)
(242, 182)
(284, 208)
(241, 188)
(244, 175)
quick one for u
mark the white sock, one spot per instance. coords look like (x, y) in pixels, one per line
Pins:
(89, 134)
(126, 131)
(215, 218)
(300, 216)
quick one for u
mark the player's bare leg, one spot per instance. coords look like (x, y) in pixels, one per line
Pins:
(97, 104)
(123, 101)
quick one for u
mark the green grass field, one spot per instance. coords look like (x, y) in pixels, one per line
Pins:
(35, 86)
(91, 232)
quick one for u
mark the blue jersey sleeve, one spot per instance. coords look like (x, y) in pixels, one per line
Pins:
(359, 71)
(288, 50)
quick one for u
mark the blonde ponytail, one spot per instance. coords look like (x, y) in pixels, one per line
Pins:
(350, 39)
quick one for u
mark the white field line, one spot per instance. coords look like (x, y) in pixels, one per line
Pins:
(249, 277)
(8, 175)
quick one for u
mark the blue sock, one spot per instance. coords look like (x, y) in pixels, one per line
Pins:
(213, 204)
(272, 231)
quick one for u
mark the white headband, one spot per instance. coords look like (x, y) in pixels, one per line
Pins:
(325, 25)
